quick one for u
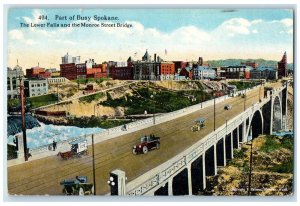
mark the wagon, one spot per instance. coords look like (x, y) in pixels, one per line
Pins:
(199, 124)
(77, 148)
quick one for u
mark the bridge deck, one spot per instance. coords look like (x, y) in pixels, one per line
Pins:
(43, 176)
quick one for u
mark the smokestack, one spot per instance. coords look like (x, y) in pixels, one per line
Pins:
(200, 61)
(154, 57)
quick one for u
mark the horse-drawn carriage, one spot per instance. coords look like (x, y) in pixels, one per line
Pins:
(199, 124)
(77, 148)
(77, 186)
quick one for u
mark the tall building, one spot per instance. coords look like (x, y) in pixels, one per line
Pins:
(68, 59)
(282, 66)
(35, 87)
(13, 82)
(155, 69)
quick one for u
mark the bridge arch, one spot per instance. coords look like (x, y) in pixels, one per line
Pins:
(277, 114)
(256, 123)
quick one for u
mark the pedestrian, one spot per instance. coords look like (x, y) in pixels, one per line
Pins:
(54, 145)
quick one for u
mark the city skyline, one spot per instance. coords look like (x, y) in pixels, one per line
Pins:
(185, 34)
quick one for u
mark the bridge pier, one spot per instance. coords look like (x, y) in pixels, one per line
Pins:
(163, 190)
(221, 152)
(238, 137)
(229, 150)
(241, 133)
(170, 188)
(189, 169)
(235, 139)
(180, 184)
(198, 179)
(285, 98)
(210, 161)
(272, 110)
(244, 131)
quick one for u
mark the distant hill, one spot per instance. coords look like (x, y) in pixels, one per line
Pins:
(231, 62)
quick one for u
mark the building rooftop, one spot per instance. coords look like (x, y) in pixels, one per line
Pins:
(204, 68)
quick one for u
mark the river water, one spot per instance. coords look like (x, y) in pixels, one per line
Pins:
(45, 134)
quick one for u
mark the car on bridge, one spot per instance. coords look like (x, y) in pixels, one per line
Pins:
(199, 124)
(148, 142)
(227, 107)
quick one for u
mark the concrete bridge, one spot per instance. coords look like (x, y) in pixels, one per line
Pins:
(183, 161)
(185, 174)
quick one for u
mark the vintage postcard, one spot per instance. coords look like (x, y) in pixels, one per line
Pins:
(150, 102)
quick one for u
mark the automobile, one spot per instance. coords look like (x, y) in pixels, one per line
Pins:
(227, 107)
(198, 124)
(148, 142)
(77, 186)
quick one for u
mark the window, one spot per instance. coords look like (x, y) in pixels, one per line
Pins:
(32, 85)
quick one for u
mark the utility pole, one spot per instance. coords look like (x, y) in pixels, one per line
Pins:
(23, 119)
(57, 92)
(214, 111)
(244, 96)
(250, 170)
(94, 176)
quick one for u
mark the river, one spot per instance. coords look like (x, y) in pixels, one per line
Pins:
(46, 133)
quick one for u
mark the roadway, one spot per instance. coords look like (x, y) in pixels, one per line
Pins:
(43, 176)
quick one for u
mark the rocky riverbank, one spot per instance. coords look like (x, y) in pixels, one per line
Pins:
(82, 122)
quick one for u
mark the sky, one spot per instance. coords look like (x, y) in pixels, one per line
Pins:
(173, 34)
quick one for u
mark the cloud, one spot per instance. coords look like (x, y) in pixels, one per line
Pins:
(35, 17)
(287, 22)
(29, 42)
(243, 27)
(16, 34)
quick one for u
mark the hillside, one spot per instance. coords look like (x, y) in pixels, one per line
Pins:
(260, 62)
(272, 170)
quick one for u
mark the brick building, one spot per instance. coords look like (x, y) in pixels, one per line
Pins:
(179, 65)
(68, 71)
(250, 64)
(71, 68)
(264, 73)
(34, 72)
(236, 72)
(155, 69)
(187, 72)
(282, 66)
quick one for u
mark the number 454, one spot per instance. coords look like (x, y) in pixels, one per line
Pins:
(42, 17)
